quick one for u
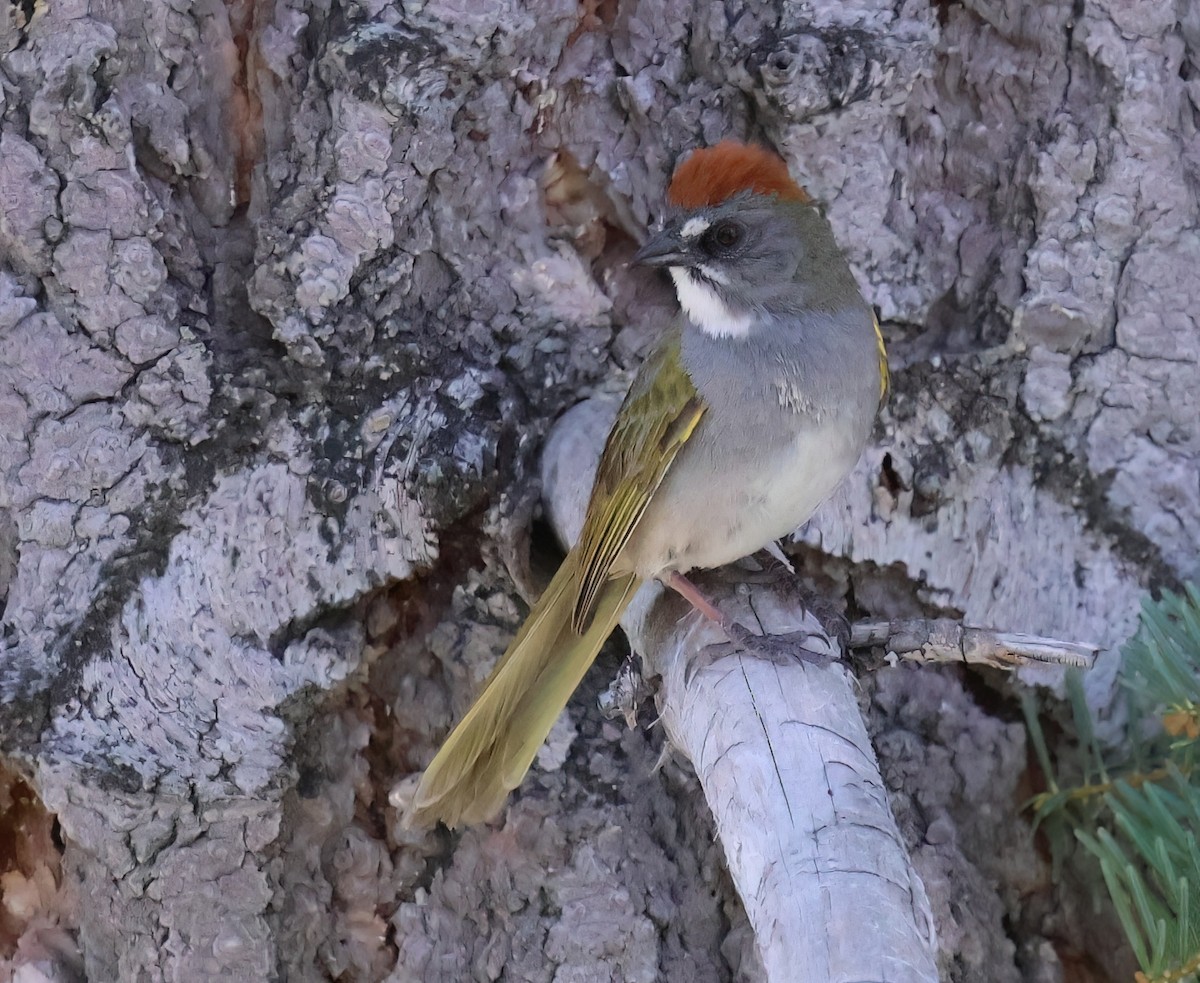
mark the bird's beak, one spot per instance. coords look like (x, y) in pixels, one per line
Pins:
(664, 249)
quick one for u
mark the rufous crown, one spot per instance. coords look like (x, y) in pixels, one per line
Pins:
(712, 174)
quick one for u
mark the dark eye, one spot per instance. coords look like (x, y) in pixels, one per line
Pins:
(723, 236)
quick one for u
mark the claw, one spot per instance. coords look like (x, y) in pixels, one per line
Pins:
(783, 650)
(780, 649)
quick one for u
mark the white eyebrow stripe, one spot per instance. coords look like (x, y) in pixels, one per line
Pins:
(704, 307)
(694, 227)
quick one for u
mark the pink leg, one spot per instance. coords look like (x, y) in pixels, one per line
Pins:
(691, 593)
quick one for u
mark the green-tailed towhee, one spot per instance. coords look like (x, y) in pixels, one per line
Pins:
(745, 416)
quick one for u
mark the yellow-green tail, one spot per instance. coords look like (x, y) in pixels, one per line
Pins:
(488, 753)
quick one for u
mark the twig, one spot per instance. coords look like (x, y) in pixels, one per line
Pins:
(943, 640)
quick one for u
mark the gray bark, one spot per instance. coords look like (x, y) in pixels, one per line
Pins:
(288, 299)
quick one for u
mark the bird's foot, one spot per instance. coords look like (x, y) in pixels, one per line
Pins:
(786, 649)
(782, 650)
(829, 615)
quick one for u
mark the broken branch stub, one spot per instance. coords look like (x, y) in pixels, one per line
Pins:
(945, 640)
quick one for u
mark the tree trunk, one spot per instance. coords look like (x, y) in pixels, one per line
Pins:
(290, 294)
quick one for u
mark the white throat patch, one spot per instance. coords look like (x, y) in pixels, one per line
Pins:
(705, 308)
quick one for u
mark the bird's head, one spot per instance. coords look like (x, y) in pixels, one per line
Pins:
(743, 242)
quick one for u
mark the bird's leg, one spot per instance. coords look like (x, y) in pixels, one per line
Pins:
(691, 593)
(782, 649)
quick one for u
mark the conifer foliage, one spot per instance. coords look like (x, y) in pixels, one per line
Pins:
(1136, 809)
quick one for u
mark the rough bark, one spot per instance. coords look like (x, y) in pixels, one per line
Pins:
(288, 298)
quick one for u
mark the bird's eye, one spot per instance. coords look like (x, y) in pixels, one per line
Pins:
(724, 235)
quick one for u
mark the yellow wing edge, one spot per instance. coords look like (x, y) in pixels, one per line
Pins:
(885, 375)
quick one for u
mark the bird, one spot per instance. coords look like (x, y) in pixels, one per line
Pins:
(746, 414)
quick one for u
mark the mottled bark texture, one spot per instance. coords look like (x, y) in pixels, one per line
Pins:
(288, 298)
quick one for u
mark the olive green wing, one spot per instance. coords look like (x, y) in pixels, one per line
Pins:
(658, 416)
(885, 376)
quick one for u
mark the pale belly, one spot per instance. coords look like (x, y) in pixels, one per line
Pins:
(722, 501)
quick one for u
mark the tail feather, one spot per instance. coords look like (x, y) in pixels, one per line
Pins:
(491, 749)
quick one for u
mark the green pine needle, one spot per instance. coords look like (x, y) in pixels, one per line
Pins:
(1137, 810)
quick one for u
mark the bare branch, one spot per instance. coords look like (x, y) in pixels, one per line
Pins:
(944, 640)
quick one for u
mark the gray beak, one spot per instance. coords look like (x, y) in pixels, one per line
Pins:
(663, 249)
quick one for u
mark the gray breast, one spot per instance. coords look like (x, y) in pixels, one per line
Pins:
(788, 415)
